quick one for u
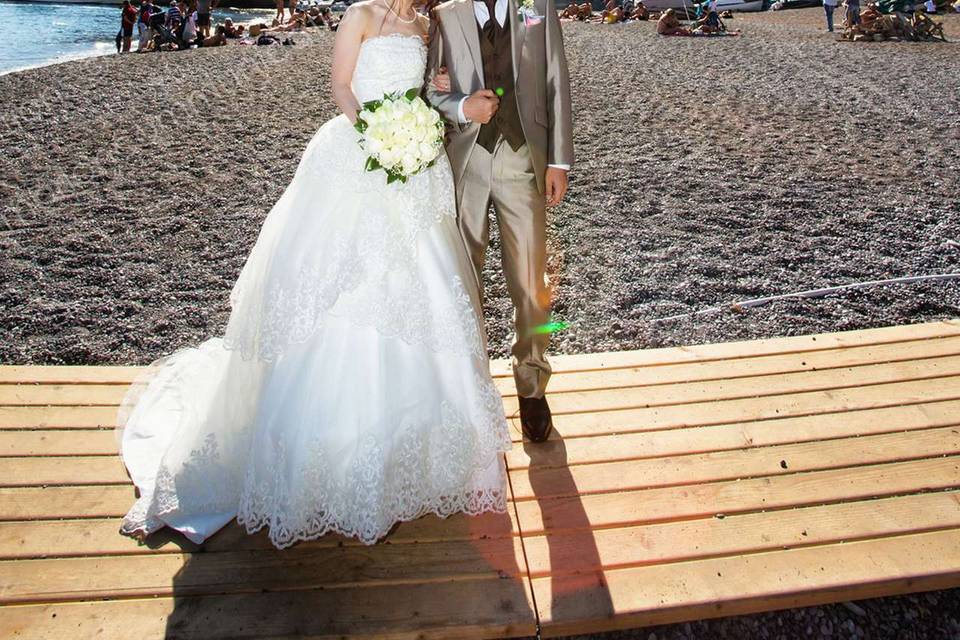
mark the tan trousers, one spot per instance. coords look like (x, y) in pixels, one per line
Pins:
(506, 179)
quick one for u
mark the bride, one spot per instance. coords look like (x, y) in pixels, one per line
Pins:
(351, 389)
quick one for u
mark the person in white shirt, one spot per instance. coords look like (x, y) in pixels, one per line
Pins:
(190, 28)
(828, 8)
(510, 145)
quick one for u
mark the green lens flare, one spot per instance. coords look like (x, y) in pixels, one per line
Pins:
(550, 327)
(499, 91)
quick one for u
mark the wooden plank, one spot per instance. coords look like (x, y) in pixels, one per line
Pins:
(99, 536)
(778, 460)
(661, 504)
(47, 374)
(751, 409)
(113, 394)
(743, 367)
(585, 551)
(57, 417)
(753, 386)
(72, 470)
(558, 452)
(464, 609)
(254, 571)
(943, 388)
(106, 501)
(660, 594)
(744, 349)
(28, 503)
(62, 394)
(65, 442)
(567, 363)
(592, 478)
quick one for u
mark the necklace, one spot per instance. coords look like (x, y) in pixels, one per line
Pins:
(397, 13)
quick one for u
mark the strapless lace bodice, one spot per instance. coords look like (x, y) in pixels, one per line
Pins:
(389, 63)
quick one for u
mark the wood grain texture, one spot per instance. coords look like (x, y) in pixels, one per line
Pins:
(747, 583)
(659, 504)
(680, 483)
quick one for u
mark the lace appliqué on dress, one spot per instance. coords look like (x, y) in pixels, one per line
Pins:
(428, 470)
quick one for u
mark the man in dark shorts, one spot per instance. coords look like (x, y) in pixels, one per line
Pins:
(128, 18)
(204, 7)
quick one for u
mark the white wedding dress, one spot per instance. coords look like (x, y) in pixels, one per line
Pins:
(351, 390)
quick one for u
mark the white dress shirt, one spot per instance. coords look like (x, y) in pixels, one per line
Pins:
(483, 14)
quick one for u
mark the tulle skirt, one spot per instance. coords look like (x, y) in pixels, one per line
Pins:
(351, 389)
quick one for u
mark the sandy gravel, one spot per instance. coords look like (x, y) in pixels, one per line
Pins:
(709, 171)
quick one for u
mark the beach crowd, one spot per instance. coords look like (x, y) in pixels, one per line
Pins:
(883, 19)
(187, 24)
(707, 18)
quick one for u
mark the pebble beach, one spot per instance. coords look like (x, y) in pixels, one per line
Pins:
(708, 171)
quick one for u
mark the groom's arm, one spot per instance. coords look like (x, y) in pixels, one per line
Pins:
(448, 103)
(559, 109)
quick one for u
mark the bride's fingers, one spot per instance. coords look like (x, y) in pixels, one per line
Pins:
(441, 82)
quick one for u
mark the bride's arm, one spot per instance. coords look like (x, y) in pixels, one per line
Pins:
(346, 48)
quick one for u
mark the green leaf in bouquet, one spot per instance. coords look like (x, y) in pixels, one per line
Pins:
(372, 164)
(372, 105)
(360, 125)
(411, 93)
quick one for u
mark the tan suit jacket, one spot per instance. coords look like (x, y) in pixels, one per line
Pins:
(540, 76)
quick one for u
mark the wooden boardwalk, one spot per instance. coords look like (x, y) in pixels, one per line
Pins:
(688, 483)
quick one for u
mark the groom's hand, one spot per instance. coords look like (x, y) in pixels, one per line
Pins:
(556, 185)
(481, 106)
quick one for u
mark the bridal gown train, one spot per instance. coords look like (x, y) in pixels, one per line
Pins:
(351, 389)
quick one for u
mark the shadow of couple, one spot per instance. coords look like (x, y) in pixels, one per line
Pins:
(430, 576)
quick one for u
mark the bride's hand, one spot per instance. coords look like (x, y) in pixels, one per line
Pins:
(441, 81)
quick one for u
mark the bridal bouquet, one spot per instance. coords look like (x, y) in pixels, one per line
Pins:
(402, 134)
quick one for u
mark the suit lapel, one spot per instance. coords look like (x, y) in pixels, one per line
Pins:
(518, 31)
(468, 24)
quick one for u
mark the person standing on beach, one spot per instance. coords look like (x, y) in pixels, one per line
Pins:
(143, 25)
(853, 12)
(128, 18)
(828, 7)
(510, 145)
(189, 35)
(174, 16)
(279, 16)
(204, 8)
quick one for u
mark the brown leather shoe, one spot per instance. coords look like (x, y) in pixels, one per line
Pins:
(535, 419)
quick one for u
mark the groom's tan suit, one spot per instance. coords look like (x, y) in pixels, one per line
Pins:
(504, 162)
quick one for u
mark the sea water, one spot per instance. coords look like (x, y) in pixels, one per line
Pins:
(37, 34)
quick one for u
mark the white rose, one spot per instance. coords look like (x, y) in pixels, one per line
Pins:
(410, 164)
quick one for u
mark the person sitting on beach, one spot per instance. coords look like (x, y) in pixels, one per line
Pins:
(231, 30)
(327, 17)
(612, 13)
(581, 12)
(869, 17)
(709, 21)
(571, 11)
(669, 25)
(218, 39)
(295, 23)
(640, 12)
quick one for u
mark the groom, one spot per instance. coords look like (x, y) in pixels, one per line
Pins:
(510, 144)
